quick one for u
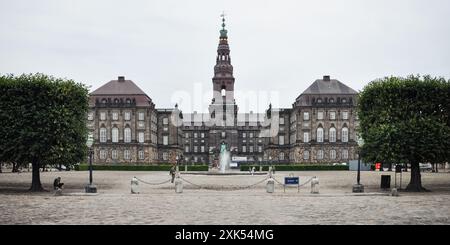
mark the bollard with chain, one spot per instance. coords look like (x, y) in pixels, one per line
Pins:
(134, 185)
(270, 186)
(315, 185)
(178, 185)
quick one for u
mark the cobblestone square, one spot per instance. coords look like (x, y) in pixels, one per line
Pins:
(221, 200)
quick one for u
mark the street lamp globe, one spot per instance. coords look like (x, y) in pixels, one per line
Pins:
(90, 140)
(360, 142)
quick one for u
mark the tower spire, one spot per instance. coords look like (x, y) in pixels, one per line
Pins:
(223, 32)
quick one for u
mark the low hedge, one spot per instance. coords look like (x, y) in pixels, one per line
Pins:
(297, 167)
(83, 167)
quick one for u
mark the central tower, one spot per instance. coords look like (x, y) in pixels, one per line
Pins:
(223, 108)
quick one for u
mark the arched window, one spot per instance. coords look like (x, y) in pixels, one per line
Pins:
(281, 156)
(115, 135)
(320, 135)
(332, 154)
(344, 154)
(332, 135)
(305, 155)
(320, 154)
(345, 134)
(103, 135)
(127, 135)
(128, 100)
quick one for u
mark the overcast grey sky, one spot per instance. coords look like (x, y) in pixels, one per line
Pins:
(280, 46)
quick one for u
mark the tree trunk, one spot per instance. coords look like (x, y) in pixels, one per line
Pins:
(36, 178)
(415, 184)
(14, 167)
(390, 167)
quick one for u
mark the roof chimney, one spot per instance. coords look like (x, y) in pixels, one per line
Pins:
(326, 78)
(121, 79)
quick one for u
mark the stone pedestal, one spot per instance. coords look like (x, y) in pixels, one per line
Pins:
(315, 185)
(178, 186)
(134, 186)
(394, 192)
(270, 186)
(358, 188)
(90, 189)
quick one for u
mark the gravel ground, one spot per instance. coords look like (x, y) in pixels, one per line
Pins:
(221, 200)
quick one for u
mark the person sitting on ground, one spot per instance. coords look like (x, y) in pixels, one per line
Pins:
(57, 183)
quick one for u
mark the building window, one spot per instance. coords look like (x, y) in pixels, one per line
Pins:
(126, 154)
(202, 148)
(332, 134)
(223, 135)
(165, 156)
(165, 140)
(281, 140)
(332, 115)
(115, 135)
(114, 154)
(305, 137)
(141, 116)
(102, 135)
(244, 135)
(320, 154)
(320, 115)
(345, 115)
(186, 135)
(344, 134)
(186, 148)
(332, 154)
(127, 116)
(345, 154)
(90, 116)
(250, 135)
(195, 148)
(202, 135)
(102, 154)
(282, 120)
(195, 135)
(103, 116)
(305, 155)
(127, 135)
(141, 137)
(141, 155)
(320, 135)
(305, 116)
(115, 116)
(250, 148)
(281, 156)
(259, 148)
(244, 148)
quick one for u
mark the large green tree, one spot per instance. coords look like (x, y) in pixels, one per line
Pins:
(406, 120)
(43, 121)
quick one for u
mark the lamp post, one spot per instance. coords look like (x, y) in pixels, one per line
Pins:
(90, 188)
(358, 187)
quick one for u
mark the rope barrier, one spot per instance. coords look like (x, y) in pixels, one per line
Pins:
(204, 187)
(148, 183)
(238, 187)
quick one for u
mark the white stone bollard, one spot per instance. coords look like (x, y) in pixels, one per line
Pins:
(134, 186)
(178, 186)
(270, 186)
(315, 185)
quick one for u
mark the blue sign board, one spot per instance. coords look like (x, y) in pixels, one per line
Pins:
(291, 180)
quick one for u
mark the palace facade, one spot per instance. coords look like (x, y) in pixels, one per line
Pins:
(128, 128)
